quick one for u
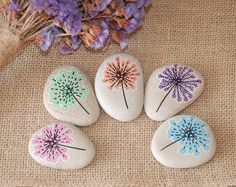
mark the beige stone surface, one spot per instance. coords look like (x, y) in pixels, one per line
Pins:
(198, 33)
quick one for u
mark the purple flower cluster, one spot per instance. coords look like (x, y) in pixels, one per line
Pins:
(90, 22)
(65, 13)
(47, 37)
(13, 7)
(72, 22)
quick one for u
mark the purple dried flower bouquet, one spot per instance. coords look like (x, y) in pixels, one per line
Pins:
(68, 23)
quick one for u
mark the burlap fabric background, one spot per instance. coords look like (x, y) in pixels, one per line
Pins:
(199, 33)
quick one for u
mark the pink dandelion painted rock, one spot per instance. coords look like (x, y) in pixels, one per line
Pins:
(119, 87)
(69, 96)
(171, 89)
(61, 146)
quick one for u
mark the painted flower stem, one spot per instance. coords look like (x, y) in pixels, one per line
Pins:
(123, 91)
(172, 143)
(80, 103)
(164, 98)
(71, 147)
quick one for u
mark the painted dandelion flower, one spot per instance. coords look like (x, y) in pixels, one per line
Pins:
(68, 90)
(190, 133)
(179, 80)
(52, 143)
(122, 74)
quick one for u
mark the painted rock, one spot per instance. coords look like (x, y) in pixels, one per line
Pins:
(119, 87)
(61, 146)
(171, 89)
(183, 142)
(68, 96)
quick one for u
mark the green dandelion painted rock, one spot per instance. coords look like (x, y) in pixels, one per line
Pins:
(68, 96)
(66, 88)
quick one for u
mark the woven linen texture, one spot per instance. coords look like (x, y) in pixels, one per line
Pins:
(198, 33)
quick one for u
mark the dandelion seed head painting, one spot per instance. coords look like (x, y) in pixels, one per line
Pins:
(179, 81)
(183, 141)
(191, 133)
(121, 72)
(67, 89)
(121, 75)
(48, 142)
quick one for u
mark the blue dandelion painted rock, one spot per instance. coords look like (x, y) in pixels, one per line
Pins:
(171, 89)
(68, 96)
(183, 142)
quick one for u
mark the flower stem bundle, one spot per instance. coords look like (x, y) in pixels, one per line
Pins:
(67, 23)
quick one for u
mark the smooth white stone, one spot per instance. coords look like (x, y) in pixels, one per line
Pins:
(68, 135)
(170, 106)
(72, 111)
(171, 156)
(111, 98)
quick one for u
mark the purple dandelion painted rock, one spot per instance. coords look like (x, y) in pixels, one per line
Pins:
(171, 89)
(61, 146)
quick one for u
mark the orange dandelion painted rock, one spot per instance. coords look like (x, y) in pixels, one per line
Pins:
(119, 87)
